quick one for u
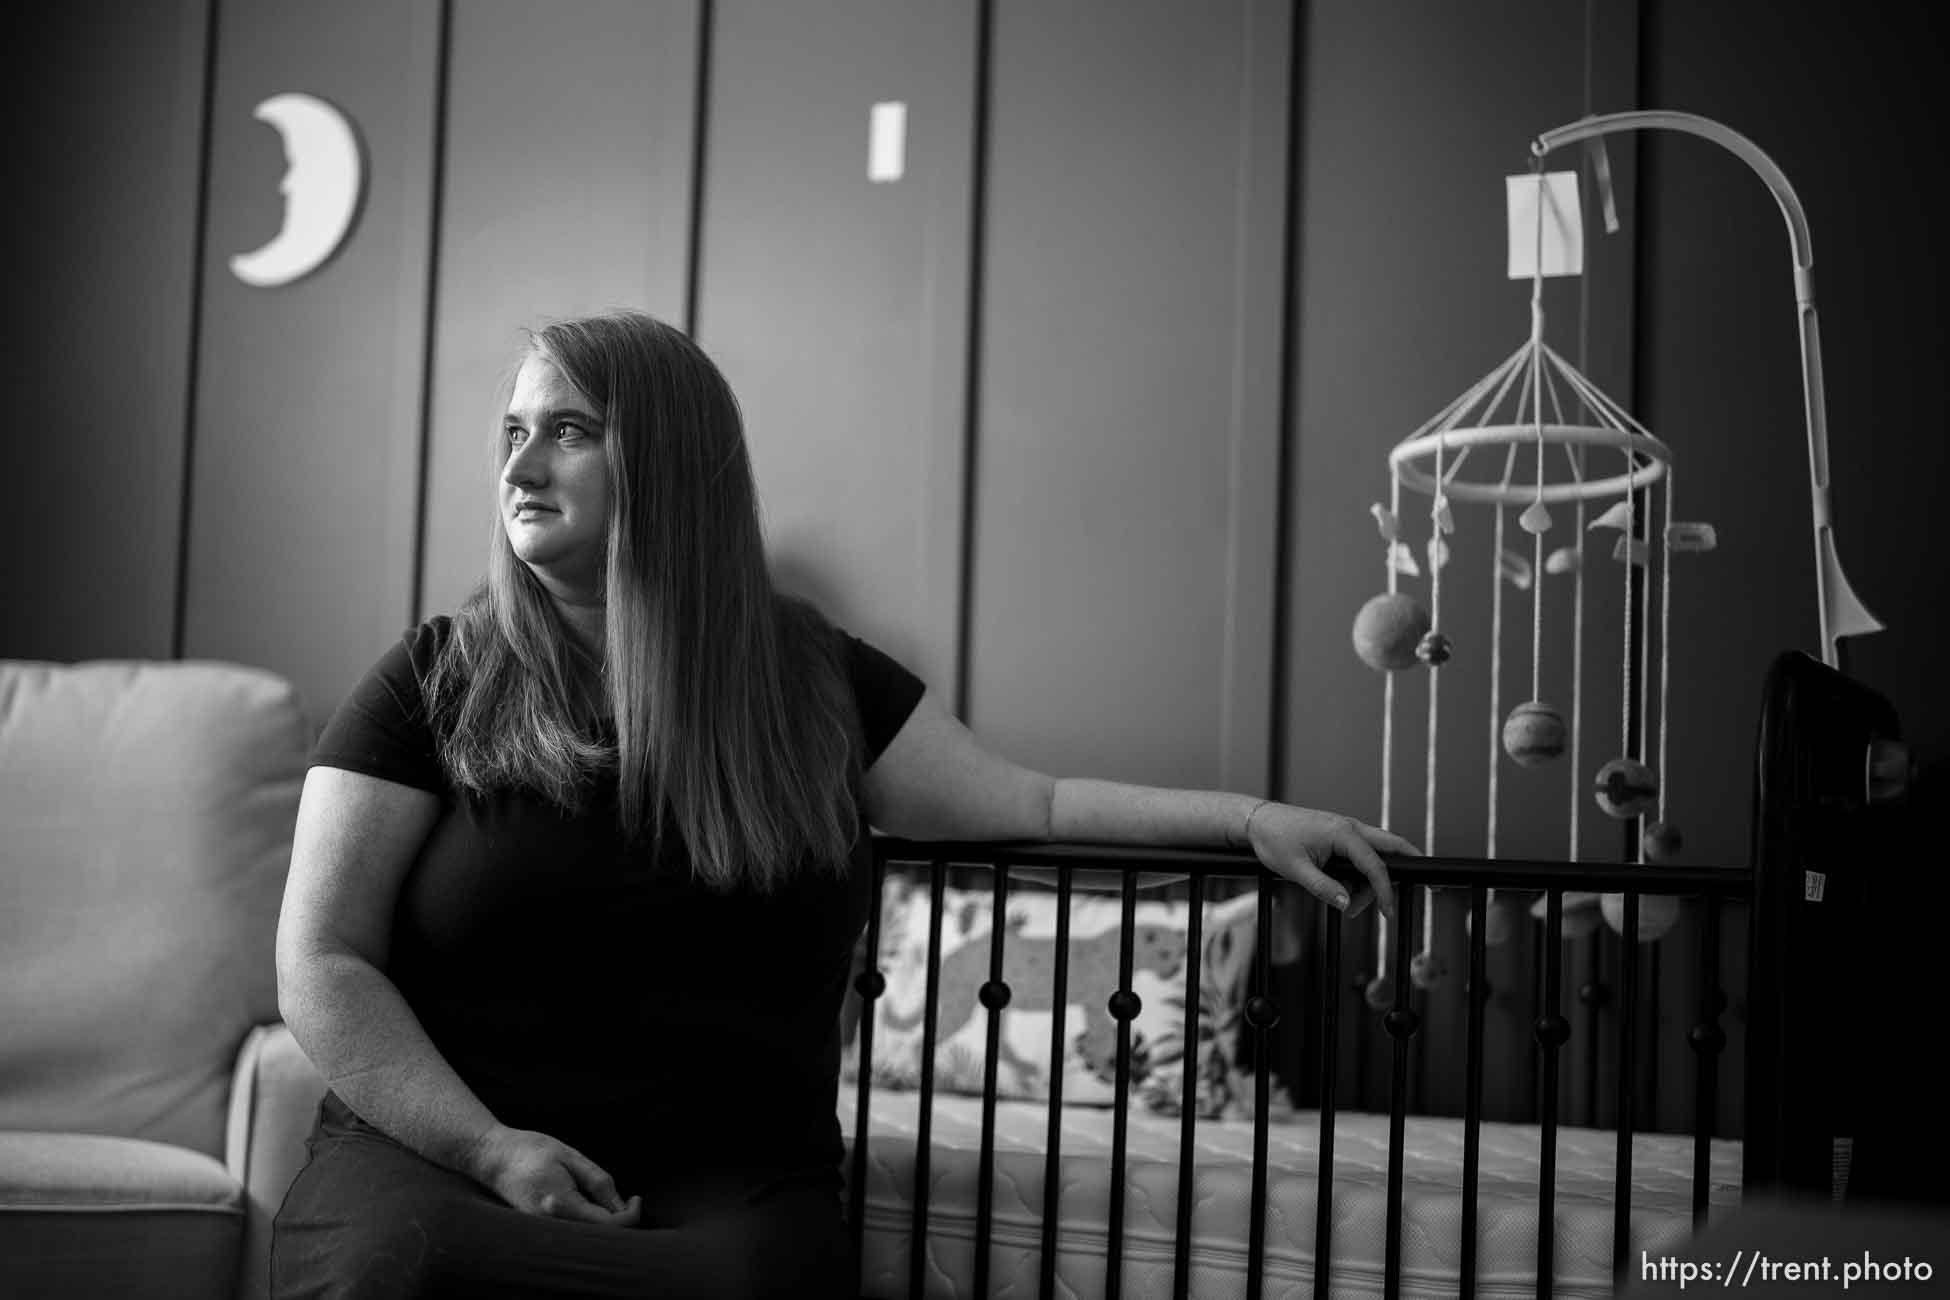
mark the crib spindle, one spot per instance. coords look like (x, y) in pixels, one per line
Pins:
(1330, 1062)
(1628, 1041)
(1479, 996)
(1053, 1136)
(917, 1238)
(1401, 1023)
(1262, 1013)
(995, 996)
(1594, 995)
(1123, 1006)
(1707, 1039)
(1551, 1032)
(1181, 1262)
(870, 984)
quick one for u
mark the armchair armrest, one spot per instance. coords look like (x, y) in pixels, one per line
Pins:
(274, 1096)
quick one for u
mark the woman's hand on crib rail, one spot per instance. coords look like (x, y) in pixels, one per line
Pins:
(1298, 842)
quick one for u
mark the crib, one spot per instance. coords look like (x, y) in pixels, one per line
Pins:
(953, 1194)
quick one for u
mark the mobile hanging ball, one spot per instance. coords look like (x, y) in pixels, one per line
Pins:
(1434, 649)
(1427, 971)
(1579, 917)
(1498, 920)
(1661, 842)
(1658, 913)
(1626, 788)
(1387, 630)
(1533, 733)
(1380, 993)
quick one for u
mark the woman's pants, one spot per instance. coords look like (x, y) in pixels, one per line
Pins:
(368, 1218)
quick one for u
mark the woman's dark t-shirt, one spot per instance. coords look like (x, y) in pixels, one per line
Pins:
(590, 991)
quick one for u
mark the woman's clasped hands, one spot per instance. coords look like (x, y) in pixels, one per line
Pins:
(536, 1174)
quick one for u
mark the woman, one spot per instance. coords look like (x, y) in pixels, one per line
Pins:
(578, 875)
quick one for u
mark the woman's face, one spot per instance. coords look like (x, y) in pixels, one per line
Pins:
(555, 485)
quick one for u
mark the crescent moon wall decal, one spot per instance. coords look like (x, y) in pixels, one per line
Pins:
(323, 176)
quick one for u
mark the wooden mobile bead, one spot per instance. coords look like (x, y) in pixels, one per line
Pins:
(1661, 842)
(1433, 649)
(1427, 971)
(1626, 788)
(1533, 733)
(1387, 630)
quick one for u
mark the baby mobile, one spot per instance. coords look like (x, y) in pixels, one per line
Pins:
(1555, 431)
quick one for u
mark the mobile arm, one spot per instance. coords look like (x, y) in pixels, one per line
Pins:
(1842, 614)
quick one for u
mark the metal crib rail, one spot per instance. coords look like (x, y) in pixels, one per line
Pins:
(1550, 1032)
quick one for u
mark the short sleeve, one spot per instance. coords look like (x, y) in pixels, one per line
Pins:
(382, 728)
(885, 691)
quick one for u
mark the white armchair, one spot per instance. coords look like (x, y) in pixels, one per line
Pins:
(152, 1111)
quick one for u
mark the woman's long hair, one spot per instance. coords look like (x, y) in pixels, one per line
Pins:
(733, 718)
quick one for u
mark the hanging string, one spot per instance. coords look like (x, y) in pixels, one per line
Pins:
(1609, 411)
(1576, 455)
(1450, 415)
(1496, 664)
(1625, 663)
(1388, 727)
(1665, 638)
(1388, 682)
(1537, 415)
(1435, 684)
(1496, 652)
(1645, 642)
(1537, 595)
(1382, 926)
(1510, 374)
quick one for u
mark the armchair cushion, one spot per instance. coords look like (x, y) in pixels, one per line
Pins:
(149, 811)
(82, 1214)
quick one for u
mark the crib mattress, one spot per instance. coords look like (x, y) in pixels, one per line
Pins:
(1507, 1205)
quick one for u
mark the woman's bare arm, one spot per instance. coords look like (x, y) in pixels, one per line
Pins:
(935, 782)
(356, 836)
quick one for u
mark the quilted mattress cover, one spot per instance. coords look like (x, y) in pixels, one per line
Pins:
(1507, 1206)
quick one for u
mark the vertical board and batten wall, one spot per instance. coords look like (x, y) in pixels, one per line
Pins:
(567, 186)
(104, 240)
(838, 306)
(1127, 403)
(1080, 418)
(304, 437)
